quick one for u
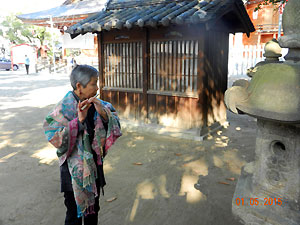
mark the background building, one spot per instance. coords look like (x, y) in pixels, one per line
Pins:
(164, 61)
(265, 21)
(84, 47)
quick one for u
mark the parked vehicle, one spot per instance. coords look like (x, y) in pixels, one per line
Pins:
(5, 64)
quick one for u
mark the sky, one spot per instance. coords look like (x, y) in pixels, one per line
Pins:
(26, 6)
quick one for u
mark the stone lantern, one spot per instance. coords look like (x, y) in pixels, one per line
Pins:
(272, 54)
(268, 190)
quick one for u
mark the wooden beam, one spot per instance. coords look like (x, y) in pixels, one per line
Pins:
(100, 62)
(146, 68)
(202, 73)
(57, 22)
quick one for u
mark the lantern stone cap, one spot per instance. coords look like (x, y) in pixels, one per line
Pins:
(272, 94)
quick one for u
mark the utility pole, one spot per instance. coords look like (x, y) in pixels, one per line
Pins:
(52, 41)
(280, 18)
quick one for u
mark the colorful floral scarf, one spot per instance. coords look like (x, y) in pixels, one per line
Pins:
(61, 129)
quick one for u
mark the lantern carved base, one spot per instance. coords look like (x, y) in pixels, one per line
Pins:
(268, 189)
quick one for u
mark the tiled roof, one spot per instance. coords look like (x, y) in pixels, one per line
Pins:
(152, 13)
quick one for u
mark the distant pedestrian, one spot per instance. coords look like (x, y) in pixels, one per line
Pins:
(71, 62)
(27, 62)
(74, 63)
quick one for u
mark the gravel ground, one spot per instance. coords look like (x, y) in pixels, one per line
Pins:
(150, 178)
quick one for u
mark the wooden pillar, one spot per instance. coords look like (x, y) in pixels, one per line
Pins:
(225, 39)
(201, 75)
(145, 44)
(100, 62)
(204, 69)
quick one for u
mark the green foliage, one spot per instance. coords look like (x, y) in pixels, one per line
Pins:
(18, 32)
(13, 28)
(41, 34)
(55, 42)
(278, 3)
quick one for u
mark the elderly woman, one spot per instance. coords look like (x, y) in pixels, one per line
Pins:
(82, 128)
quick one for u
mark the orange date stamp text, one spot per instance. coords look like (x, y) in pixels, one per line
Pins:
(257, 201)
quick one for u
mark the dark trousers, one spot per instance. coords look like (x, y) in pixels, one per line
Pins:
(71, 214)
(27, 68)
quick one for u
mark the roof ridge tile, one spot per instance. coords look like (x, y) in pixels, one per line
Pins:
(166, 20)
(171, 12)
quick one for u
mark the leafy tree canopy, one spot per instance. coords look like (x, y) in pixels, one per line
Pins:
(278, 3)
(18, 32)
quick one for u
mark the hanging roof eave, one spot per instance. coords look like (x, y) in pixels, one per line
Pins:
(76, 12)
(166, 14)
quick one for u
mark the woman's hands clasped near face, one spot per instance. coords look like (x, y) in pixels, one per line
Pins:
(99, 107)
(82, 111)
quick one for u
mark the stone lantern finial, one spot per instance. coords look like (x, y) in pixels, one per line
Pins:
(272, 50)
(272, 54)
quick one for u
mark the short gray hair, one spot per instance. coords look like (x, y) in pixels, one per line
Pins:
(83, 75)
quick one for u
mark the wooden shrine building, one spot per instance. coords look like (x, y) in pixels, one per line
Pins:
(163, 61)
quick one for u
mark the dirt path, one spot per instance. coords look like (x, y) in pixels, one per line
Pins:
(160, 191)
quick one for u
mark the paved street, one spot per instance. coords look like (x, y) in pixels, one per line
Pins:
(150, 177)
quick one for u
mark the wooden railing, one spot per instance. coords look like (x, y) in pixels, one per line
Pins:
(46, 65)
(244, 57)
(267, 28)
